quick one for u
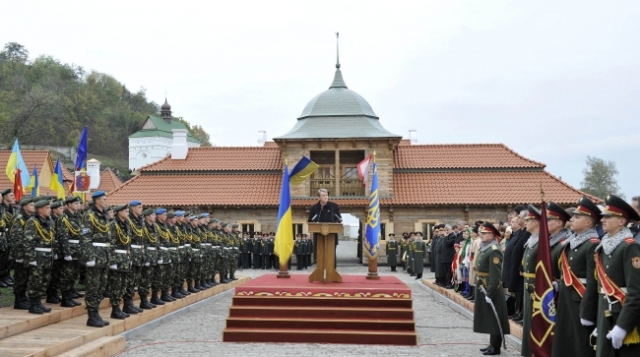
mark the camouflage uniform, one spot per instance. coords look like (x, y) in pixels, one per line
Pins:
(119, 277)
(38, 242)
(6, 217)
(138, 262)
(173, 279)
(68, 231)
(196, 257)
(21, 272)
(147, 276)
(95, 247)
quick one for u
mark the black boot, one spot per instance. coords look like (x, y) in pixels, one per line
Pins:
(154, 298)
(104, 322)
(53, 298)
(190, 287)
(166, 297)
(116, 313)
(145, 304)
(21, 302)
(176, 294)
(76, 294)
(224, 280)
(198, 286)
(492, 351)
(472, 294)
(129, 308)
(66, 299)
(35, 306)
(93, 320)
(204, 284)
(485, 349)
(233, 277)
(182, 290)
(42, 307)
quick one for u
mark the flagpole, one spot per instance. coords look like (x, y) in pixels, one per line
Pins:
(283, 272)
(372, 274)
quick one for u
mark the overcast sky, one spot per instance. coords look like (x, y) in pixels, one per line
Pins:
(555, 81)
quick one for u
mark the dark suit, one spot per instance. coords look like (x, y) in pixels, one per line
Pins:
(516, 282)
(329, 213)
(447, 251)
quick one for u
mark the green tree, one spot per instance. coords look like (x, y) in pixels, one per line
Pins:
(202, 136)
(600, 178)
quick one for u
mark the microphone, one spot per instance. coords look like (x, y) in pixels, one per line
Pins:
(314, 217)
(335, 215)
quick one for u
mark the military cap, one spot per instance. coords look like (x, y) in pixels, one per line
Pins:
(161, 210)
(56, 204)
(474, 229)
(533, 213)
(42, 203)
(215, 220)
(204, 215)
(72, 199)
(391, 235)
(109, 208)
(147, 212)
(40, 198)
(98, 194)
(120, 208)
(556, 212)
(135, 203)
(171, 214)
(90, 203)
(489, 228)
(179, 213)
(616, 206)
(235, 225)
(419, 234)
(26, 200)
(224, 224)
(193, 216)
(586, 207)
(519, 208)
(6, 192)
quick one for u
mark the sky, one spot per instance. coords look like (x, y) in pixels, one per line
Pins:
(555, 81)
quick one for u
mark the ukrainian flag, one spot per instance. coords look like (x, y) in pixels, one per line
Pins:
(34, 184)
(56, 180)
(17, 162)
(284, 231)
(303, 169)
(372, 228)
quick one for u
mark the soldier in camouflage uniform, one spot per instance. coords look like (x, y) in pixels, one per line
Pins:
(54, 282)
(95, 245)
(16, 235)
(162, 277)
(142, 256)
(38, 241)
(7, 213)
(206, 248)
(236, 240)
(120, 263)
(176, 259)
(193, 274)
(185, 253)
(68, 231)
(152, 252)
(214, 251)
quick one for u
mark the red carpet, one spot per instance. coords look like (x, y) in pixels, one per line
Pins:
(352, 286)
(356, 311)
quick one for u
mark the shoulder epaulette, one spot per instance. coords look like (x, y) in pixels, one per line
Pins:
(564, 242)
(494, 247)
(595, 240)
(630, 240)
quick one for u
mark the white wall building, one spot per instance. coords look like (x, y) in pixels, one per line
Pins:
(153, 142)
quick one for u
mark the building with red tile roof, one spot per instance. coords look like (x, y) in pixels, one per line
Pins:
(44, 163)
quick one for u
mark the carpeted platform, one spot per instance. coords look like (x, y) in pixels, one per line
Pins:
(352, 286)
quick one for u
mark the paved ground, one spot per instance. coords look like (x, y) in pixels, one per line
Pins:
(441, 331)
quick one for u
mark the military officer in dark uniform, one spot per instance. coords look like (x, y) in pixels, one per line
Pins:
(246, 250)
(557, 218)
(577, 254)
(7, 213)
(255, 250)
(488, 266)
(616, 285)
(392, 251)
(419, 251)
(298, 250)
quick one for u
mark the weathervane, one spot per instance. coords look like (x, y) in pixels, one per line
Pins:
(337, 50)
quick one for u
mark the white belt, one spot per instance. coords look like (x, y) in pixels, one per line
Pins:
(164, 248)
(187, 245)
(137, 246)
(180, 247)
(207, 244)
(151, 248)
(624, 290)
(104, 245)
(173, 248)
(75, 241)
(196, 250)
(43, 249)
(583, 280)
(226, 248)
(121, 251)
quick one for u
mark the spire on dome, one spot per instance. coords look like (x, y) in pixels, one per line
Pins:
(337, 50)
(165, 111)
(338, 81)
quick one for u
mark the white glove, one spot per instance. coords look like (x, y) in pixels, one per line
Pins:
(616, 336)
(68, 258)
(19, 260)
(169, 261)
(595, 332)
(555, 286)
(113, 267)
(91, 263)
(160, 261)
(55, 257)
(34, 263)
(586, 322)
(147, 264)
(486, 298)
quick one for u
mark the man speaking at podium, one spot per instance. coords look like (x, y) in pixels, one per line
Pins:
(325, 211)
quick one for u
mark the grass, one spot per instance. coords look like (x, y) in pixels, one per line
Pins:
(7, 298)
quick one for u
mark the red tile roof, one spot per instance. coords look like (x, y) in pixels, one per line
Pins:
(222, 159)
(108, 181)
(40, 158)
(200, 190)
(457, 156)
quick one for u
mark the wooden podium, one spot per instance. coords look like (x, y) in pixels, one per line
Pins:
(326, 250)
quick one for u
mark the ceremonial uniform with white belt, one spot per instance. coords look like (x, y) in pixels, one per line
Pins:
(38, 241)
(20, 272)
(120, 263)
(140, 262)
(68, 232)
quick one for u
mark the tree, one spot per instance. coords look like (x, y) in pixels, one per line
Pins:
(600, 178)
(198, 132)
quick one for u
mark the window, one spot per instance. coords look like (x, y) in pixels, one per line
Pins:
(426, 230)
(297, 229)
(248, 227)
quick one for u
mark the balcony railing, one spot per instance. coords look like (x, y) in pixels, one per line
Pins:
(348, 187)
(329, 184)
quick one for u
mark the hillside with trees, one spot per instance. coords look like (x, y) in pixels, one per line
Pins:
(44, 101)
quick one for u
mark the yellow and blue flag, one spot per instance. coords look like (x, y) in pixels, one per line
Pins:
(372, 228)
(17, 162)
(284, 232)
(56, 181)
(303, 169)
(34, 184)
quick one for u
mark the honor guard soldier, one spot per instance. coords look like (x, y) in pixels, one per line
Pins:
(38, 242)
(529, 262)
(139, 261)
(196, 256)
(246, 250)
(490, 310)
(7, 213)
(54, 281)
(152, 252)
(298, 250)
(16, 235)
(68, 232)
(235, 251)
(575, 259)
(419, 250)
(179, 240)
(616, 289)
(255, 250)
(95, 245)
(120, 263)
(557, 218)
(392, 251)
(264, 251)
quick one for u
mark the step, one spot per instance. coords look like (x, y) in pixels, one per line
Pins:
(73, 333)
(322, 324)
(313, 312)
(320, 301)
(320, 336)
(103, 347)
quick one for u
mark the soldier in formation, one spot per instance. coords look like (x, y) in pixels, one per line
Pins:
(392, 251)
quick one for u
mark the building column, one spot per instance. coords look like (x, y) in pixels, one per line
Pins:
(337, 173)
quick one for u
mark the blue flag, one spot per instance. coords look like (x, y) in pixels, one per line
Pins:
(34, 184)
(284, 233)
(372, 228)
(81, 159)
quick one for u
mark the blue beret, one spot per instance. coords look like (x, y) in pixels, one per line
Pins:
(193, 216)
(135, 203)
(161, 210)
(97, 194)
(179, 213)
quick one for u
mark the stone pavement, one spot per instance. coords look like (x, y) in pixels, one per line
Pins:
(198, 332)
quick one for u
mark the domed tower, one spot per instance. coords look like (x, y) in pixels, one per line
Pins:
(165, 111)
(337, 129)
